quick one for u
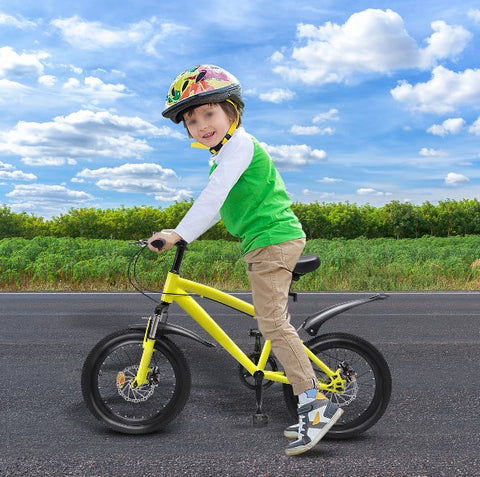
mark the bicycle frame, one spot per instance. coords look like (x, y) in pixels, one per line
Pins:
(137, 380)
(179, 290)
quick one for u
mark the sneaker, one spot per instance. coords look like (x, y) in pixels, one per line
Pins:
(315, 420)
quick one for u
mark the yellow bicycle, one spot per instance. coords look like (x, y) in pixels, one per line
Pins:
(137, 380)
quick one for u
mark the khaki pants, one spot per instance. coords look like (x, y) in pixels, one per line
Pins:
(270, 273)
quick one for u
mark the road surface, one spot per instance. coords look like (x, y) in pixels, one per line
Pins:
(431, 428)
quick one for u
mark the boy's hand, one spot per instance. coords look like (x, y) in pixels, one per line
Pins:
(169, 236)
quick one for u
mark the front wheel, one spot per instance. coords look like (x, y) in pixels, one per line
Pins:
(109, 371)
(368, 383)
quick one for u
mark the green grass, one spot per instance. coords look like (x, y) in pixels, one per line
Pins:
(429, 263)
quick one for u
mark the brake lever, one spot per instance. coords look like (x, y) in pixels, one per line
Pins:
(142, 242)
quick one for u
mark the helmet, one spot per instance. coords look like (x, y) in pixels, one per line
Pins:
(201, 85)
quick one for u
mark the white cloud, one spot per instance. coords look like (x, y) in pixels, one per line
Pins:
(429, 152)
(447, 41)
(87, 35)
(370, 191)
(330, 115)
(6, 167)
(8, 172)
(330, 180)
(311, 130)
(95, 88)
(13, 64)
(81, 134)
(93, 36)
(171, 195)
(48, 161)
(474, 14)
(74, 69)
(277, 95)
(445, 92)
(475, 127)
(371, 41)
(449, 126)
(46, 200)
(47, 80)
(454, 179)
(129, 177)
(277, 57)
(147, 178)
(318, 195)
(17, 22)
(162, 33)
(288, 157)
(9, 88)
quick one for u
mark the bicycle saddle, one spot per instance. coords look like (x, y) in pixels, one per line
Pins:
(305, 264)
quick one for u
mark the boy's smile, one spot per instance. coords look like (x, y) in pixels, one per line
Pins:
(207, 124)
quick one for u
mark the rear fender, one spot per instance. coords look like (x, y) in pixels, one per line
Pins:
(313, 323)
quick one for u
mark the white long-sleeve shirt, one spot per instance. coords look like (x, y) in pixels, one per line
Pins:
(232, 160)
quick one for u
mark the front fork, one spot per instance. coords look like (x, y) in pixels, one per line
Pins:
(160, 316)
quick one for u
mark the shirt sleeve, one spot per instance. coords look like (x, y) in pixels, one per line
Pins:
(232, 161)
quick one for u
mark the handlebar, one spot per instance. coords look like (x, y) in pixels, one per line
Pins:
(159, 243)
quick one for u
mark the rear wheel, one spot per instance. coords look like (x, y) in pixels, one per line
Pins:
(368, 383)
(108, 373)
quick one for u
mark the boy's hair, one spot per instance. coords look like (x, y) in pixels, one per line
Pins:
(228, 108)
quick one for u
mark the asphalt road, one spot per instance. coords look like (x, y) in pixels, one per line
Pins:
(431, 428)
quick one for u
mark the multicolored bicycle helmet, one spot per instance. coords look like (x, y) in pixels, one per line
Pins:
(199, 85)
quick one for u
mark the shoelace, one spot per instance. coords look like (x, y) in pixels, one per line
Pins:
(301, 423)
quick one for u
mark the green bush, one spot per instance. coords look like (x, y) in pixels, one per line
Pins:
(319, 220)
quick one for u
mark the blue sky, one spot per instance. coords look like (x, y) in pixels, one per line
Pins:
(359, 101)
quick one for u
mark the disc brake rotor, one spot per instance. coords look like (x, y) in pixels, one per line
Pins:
(124, 381)
(350, 390)
(347, 396)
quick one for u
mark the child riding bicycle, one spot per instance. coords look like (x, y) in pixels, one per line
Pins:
(247, 193)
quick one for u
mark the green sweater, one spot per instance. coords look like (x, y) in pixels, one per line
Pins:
(257, 209)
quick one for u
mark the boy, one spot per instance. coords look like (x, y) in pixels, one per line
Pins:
(247, 193)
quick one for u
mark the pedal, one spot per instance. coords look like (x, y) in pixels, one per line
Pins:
(260, 420)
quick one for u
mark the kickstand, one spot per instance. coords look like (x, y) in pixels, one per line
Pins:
(259, 419)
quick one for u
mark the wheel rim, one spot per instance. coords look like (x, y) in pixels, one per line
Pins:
(366, 394)
(115, 372)
(357, 401)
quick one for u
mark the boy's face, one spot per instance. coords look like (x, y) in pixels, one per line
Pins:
(207, 124)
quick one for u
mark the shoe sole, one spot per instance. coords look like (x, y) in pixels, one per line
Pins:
(318, 437)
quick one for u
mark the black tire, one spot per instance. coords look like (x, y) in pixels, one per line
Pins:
(363, 400)
(110, 367)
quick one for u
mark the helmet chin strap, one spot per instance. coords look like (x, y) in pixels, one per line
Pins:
(227, 136)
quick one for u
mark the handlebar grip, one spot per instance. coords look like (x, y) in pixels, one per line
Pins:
(159, 243)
